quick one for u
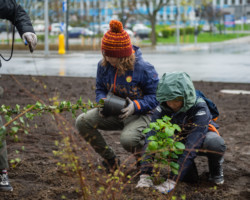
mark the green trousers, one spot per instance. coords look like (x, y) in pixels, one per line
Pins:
(132, 139)
(3, 151)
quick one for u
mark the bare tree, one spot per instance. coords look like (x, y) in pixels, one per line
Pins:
(126, 9)
(152, 7)
(211, 13)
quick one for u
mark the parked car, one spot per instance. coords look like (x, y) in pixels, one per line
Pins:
(104, 28)
(139, 27)
(141, 31)
(39, 28)
(4, 26)
(75, 32)
(209, 28)
(87, 32)
(130, 33)
(56, 28)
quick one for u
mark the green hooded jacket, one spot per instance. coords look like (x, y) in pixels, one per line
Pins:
(176, 84)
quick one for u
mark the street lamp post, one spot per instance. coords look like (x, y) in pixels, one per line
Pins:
(67, 24)
(46, 19)
(178, 25)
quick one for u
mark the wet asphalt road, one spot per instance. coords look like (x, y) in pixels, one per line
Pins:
(221, 62)
(200, 66)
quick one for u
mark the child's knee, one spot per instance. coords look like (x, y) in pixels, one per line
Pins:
(130, 144)
(215, 143)
(80, 122)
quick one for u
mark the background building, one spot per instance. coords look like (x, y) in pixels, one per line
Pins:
(97, 12)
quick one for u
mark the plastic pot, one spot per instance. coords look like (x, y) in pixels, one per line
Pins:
(113, 105)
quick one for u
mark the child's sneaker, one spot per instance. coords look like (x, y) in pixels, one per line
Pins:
(144, 182)
(4, 182)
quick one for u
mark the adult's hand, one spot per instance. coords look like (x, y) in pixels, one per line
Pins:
(129, 110)
(31, 40)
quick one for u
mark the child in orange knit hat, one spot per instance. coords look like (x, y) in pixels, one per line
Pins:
(124, 73)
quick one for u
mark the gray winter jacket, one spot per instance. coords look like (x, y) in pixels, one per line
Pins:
(13, 12)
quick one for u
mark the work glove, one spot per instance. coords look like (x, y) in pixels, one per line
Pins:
(31, 39)
(144, 181)
(100, 111)
(129, 110)
(166, 187)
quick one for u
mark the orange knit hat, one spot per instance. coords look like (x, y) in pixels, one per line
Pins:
(116, 41)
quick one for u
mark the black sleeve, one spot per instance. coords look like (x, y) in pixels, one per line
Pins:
(16, 14)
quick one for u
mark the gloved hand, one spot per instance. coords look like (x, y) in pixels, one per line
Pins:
(129, 110)
(100, 110)
(31, 39)
(166, 187)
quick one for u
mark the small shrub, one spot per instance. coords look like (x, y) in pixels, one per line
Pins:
(167, 32)
(164, 144)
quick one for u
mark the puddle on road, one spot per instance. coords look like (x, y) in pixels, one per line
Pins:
(235, 91)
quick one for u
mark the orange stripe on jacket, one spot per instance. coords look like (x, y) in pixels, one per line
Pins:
(115, 80)
(212, 128)
(137, 104)
(215, 119)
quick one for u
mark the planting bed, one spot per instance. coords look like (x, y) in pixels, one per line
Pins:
(38, 175)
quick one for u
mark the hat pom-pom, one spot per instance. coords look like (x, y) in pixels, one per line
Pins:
(115, 26)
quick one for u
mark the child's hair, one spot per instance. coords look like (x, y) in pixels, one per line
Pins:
(125, 64)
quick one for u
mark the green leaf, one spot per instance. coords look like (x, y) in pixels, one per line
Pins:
(157, 127)
(173, 155)
(79, 101)
(165, 154)
(160, 142)
(90, 104)
(153, 138)
(101, 101)
(52, 107)
(14, 129)
(166, 118)
(177, 127)
(174, 171)
(174, 165)
(146, 130)
(170, 141)
(169, 131)
(8, 118)
(2, 131)
(152, 125)
(161, 123)
(179, 145)
(38, 104)
(15, 123)
(153, 145)
(29, 115)
(178, 152)
(17, 108)
(161, 135)
(21, 120)
(165, 162)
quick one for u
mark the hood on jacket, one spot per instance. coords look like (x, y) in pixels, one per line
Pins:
(176, 84)
(138, 53)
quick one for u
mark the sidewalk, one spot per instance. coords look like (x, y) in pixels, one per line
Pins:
(211, 47)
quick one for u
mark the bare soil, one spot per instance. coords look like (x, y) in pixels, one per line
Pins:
(38, 176)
